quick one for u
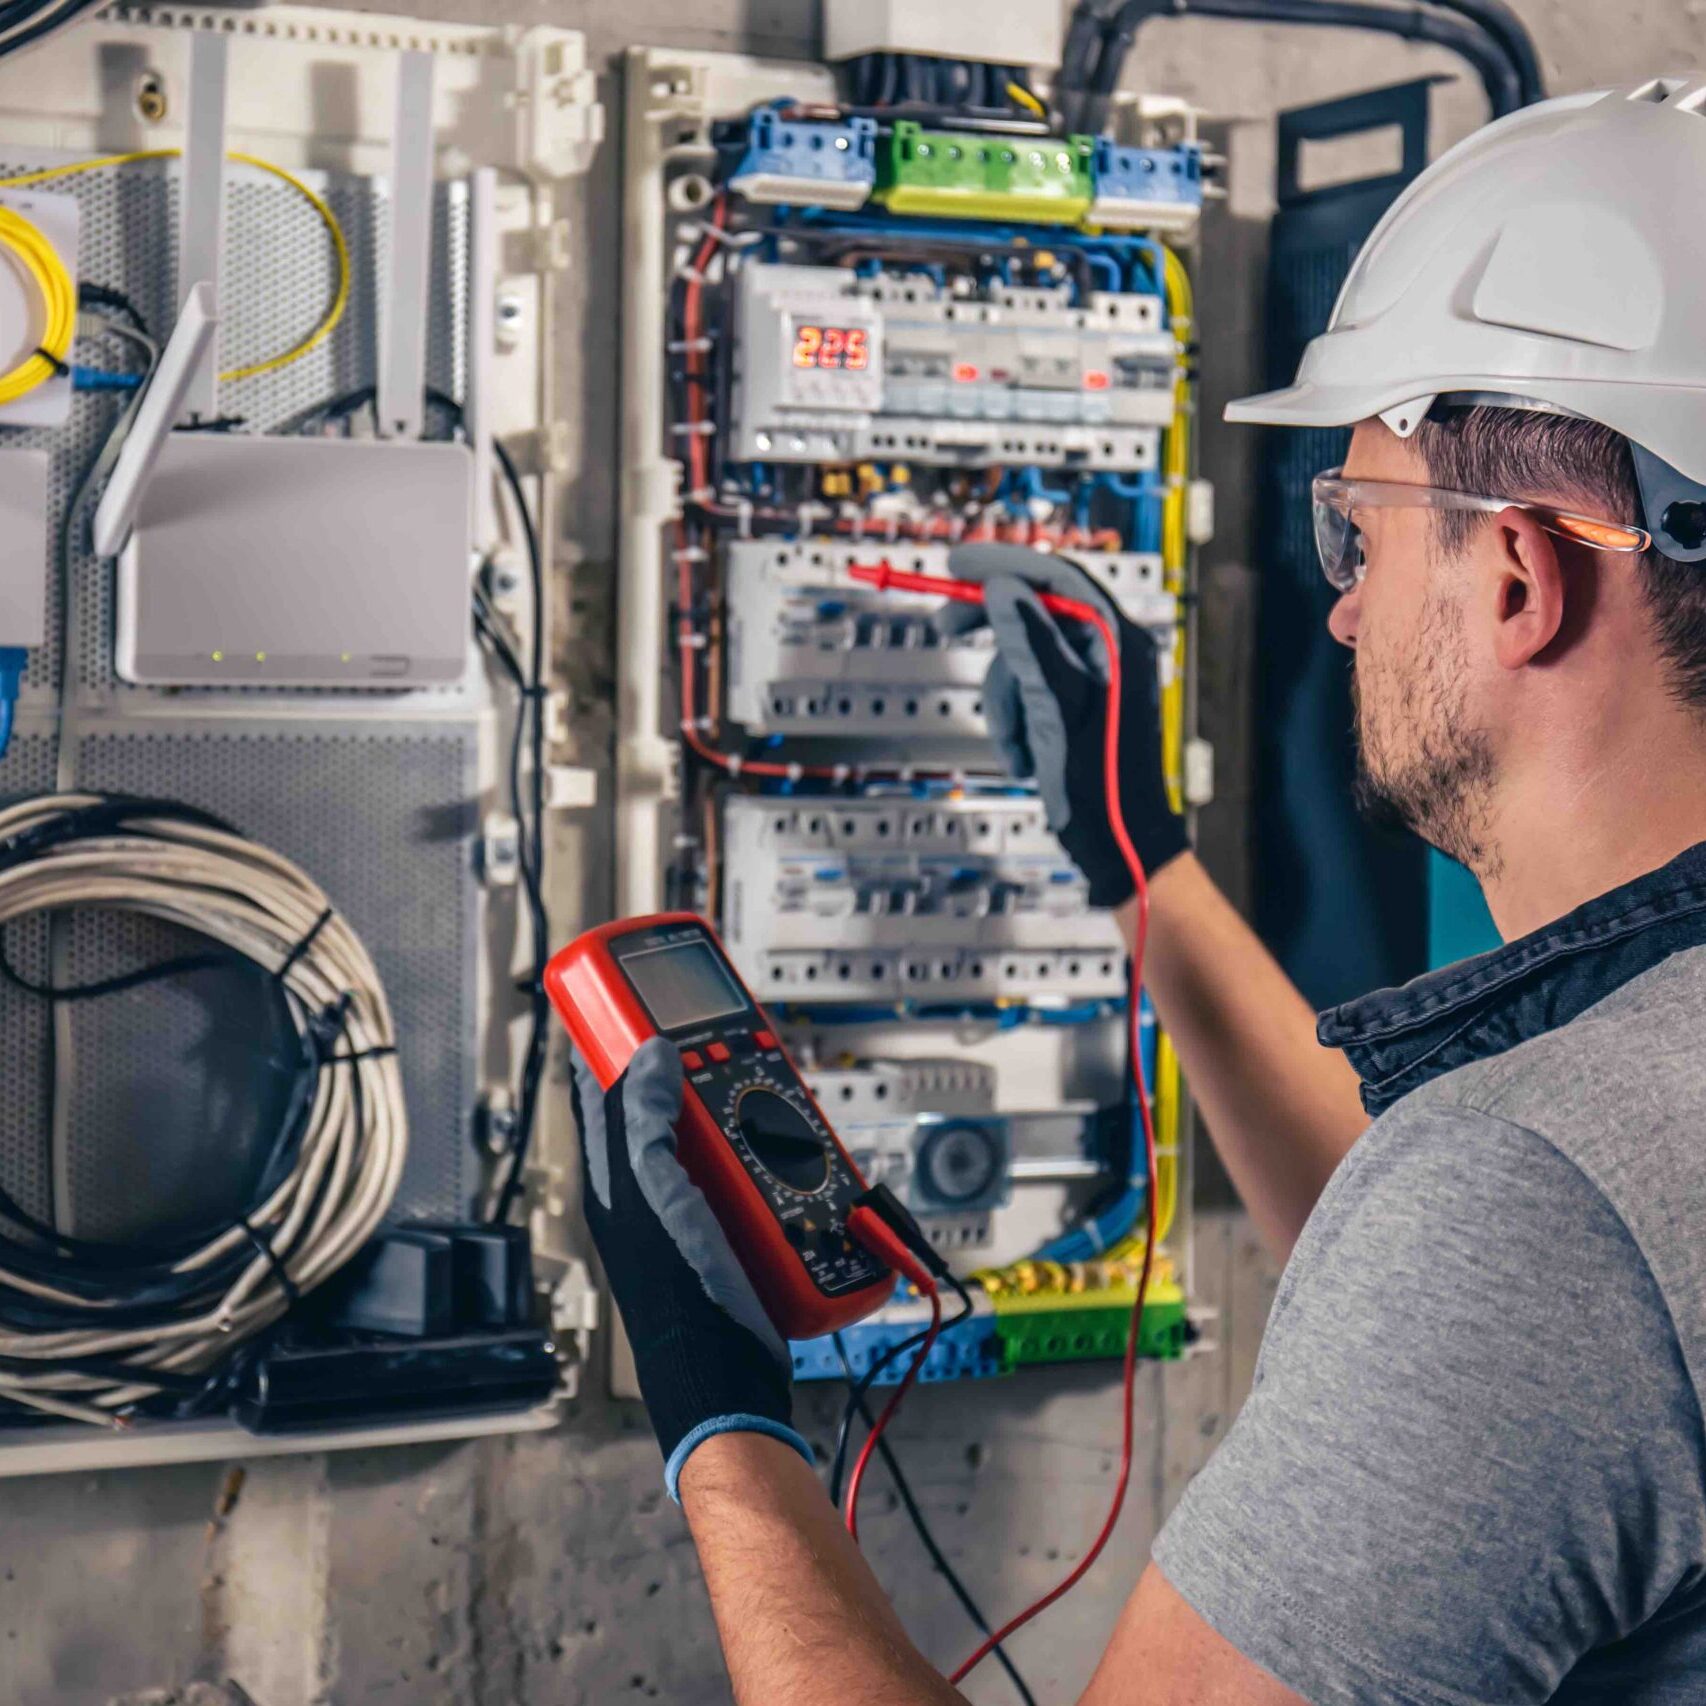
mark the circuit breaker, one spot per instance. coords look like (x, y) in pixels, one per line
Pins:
(812, 652)
(893, 899)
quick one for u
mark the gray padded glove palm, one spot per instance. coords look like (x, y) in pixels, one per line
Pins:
(708, 1358)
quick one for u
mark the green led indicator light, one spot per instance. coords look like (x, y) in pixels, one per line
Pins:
(219, 657)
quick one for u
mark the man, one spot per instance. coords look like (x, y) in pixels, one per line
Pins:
(1473, 1466)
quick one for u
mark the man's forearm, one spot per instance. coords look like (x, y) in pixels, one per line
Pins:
(799, 1613)
(1282, 1110)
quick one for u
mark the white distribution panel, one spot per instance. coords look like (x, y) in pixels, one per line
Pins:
(895, 899)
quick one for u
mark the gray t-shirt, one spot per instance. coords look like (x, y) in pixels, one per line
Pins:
(1473, 1468)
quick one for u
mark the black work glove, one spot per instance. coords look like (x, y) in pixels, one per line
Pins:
(708, 1358)
(1046, 701)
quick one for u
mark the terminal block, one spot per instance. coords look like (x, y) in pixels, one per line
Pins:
(967, 175)
(836, 367)
(1146, 189)
(967, 1350)
(823, 163)
(1078, 1326)
(813, 652)
(895, 900)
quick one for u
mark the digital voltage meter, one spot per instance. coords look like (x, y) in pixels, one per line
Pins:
(750, 1135)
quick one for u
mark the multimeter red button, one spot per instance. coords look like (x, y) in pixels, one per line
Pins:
(692, 1060)
(719, 1052)
(764, 1039)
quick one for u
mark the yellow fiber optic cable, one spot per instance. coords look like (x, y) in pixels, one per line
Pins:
(41, 264)
(340, 296)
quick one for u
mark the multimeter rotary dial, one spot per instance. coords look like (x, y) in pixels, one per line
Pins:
(783, 1139)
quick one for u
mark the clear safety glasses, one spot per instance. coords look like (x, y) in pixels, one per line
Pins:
(1338, 539)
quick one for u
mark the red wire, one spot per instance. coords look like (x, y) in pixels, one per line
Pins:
(970, 592)
(894, 1403)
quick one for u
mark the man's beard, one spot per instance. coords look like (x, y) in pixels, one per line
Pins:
(1440, 786)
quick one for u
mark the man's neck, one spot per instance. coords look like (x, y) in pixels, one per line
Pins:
(1581, 820)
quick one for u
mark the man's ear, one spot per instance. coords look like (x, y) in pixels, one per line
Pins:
(1527, 588)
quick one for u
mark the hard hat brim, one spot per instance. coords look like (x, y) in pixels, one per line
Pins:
(1309, 405)
(1668, 420)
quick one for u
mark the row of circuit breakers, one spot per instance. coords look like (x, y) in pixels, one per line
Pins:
(913, 339)
(838, 367)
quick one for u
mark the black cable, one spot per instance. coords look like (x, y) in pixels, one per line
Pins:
(844, 1433)
(55, 16)
(112, 985)
(1487, 53)
(928, 1540)
(1498, 75)
(103, 296)
(1511, 33)
(533, 1068)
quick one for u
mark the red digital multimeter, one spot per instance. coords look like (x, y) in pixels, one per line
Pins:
(750, 1135)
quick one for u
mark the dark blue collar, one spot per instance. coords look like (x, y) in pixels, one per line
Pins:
(1400, 1039)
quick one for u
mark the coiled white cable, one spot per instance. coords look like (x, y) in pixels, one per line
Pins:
(89, 1330)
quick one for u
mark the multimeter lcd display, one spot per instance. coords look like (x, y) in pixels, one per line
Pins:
(682, 984)
(845, 349)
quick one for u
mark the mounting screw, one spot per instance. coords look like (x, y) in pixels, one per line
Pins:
(151, 104)
(497, 1123)
(512, 316)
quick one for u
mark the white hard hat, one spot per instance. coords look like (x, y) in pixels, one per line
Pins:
(1555, 259)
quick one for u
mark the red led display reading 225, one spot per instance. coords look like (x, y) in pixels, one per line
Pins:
(841, 347)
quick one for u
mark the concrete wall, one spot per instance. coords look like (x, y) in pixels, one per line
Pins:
(551, 1569)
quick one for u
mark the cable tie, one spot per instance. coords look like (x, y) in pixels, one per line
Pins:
(840, 773)
(732, 764)
(796, 773)
(692, 429)
(305, 944)
(326, 1026)
(382, 1052)
(691, 273)
(695, 641)
(292, 1291)
(690, 346)
(60, 369)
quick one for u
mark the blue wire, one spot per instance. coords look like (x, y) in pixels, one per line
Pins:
(99, 379)
(1049, 494)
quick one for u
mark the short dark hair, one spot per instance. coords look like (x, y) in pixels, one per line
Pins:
(1526, 453)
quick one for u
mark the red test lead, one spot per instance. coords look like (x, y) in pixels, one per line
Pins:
(885, 576)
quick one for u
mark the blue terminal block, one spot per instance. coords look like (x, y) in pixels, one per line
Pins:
(807, 162)
(969, 1351)
(1147, 189)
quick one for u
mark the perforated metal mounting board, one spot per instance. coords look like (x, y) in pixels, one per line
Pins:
(355, 787)
(148, 1105)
